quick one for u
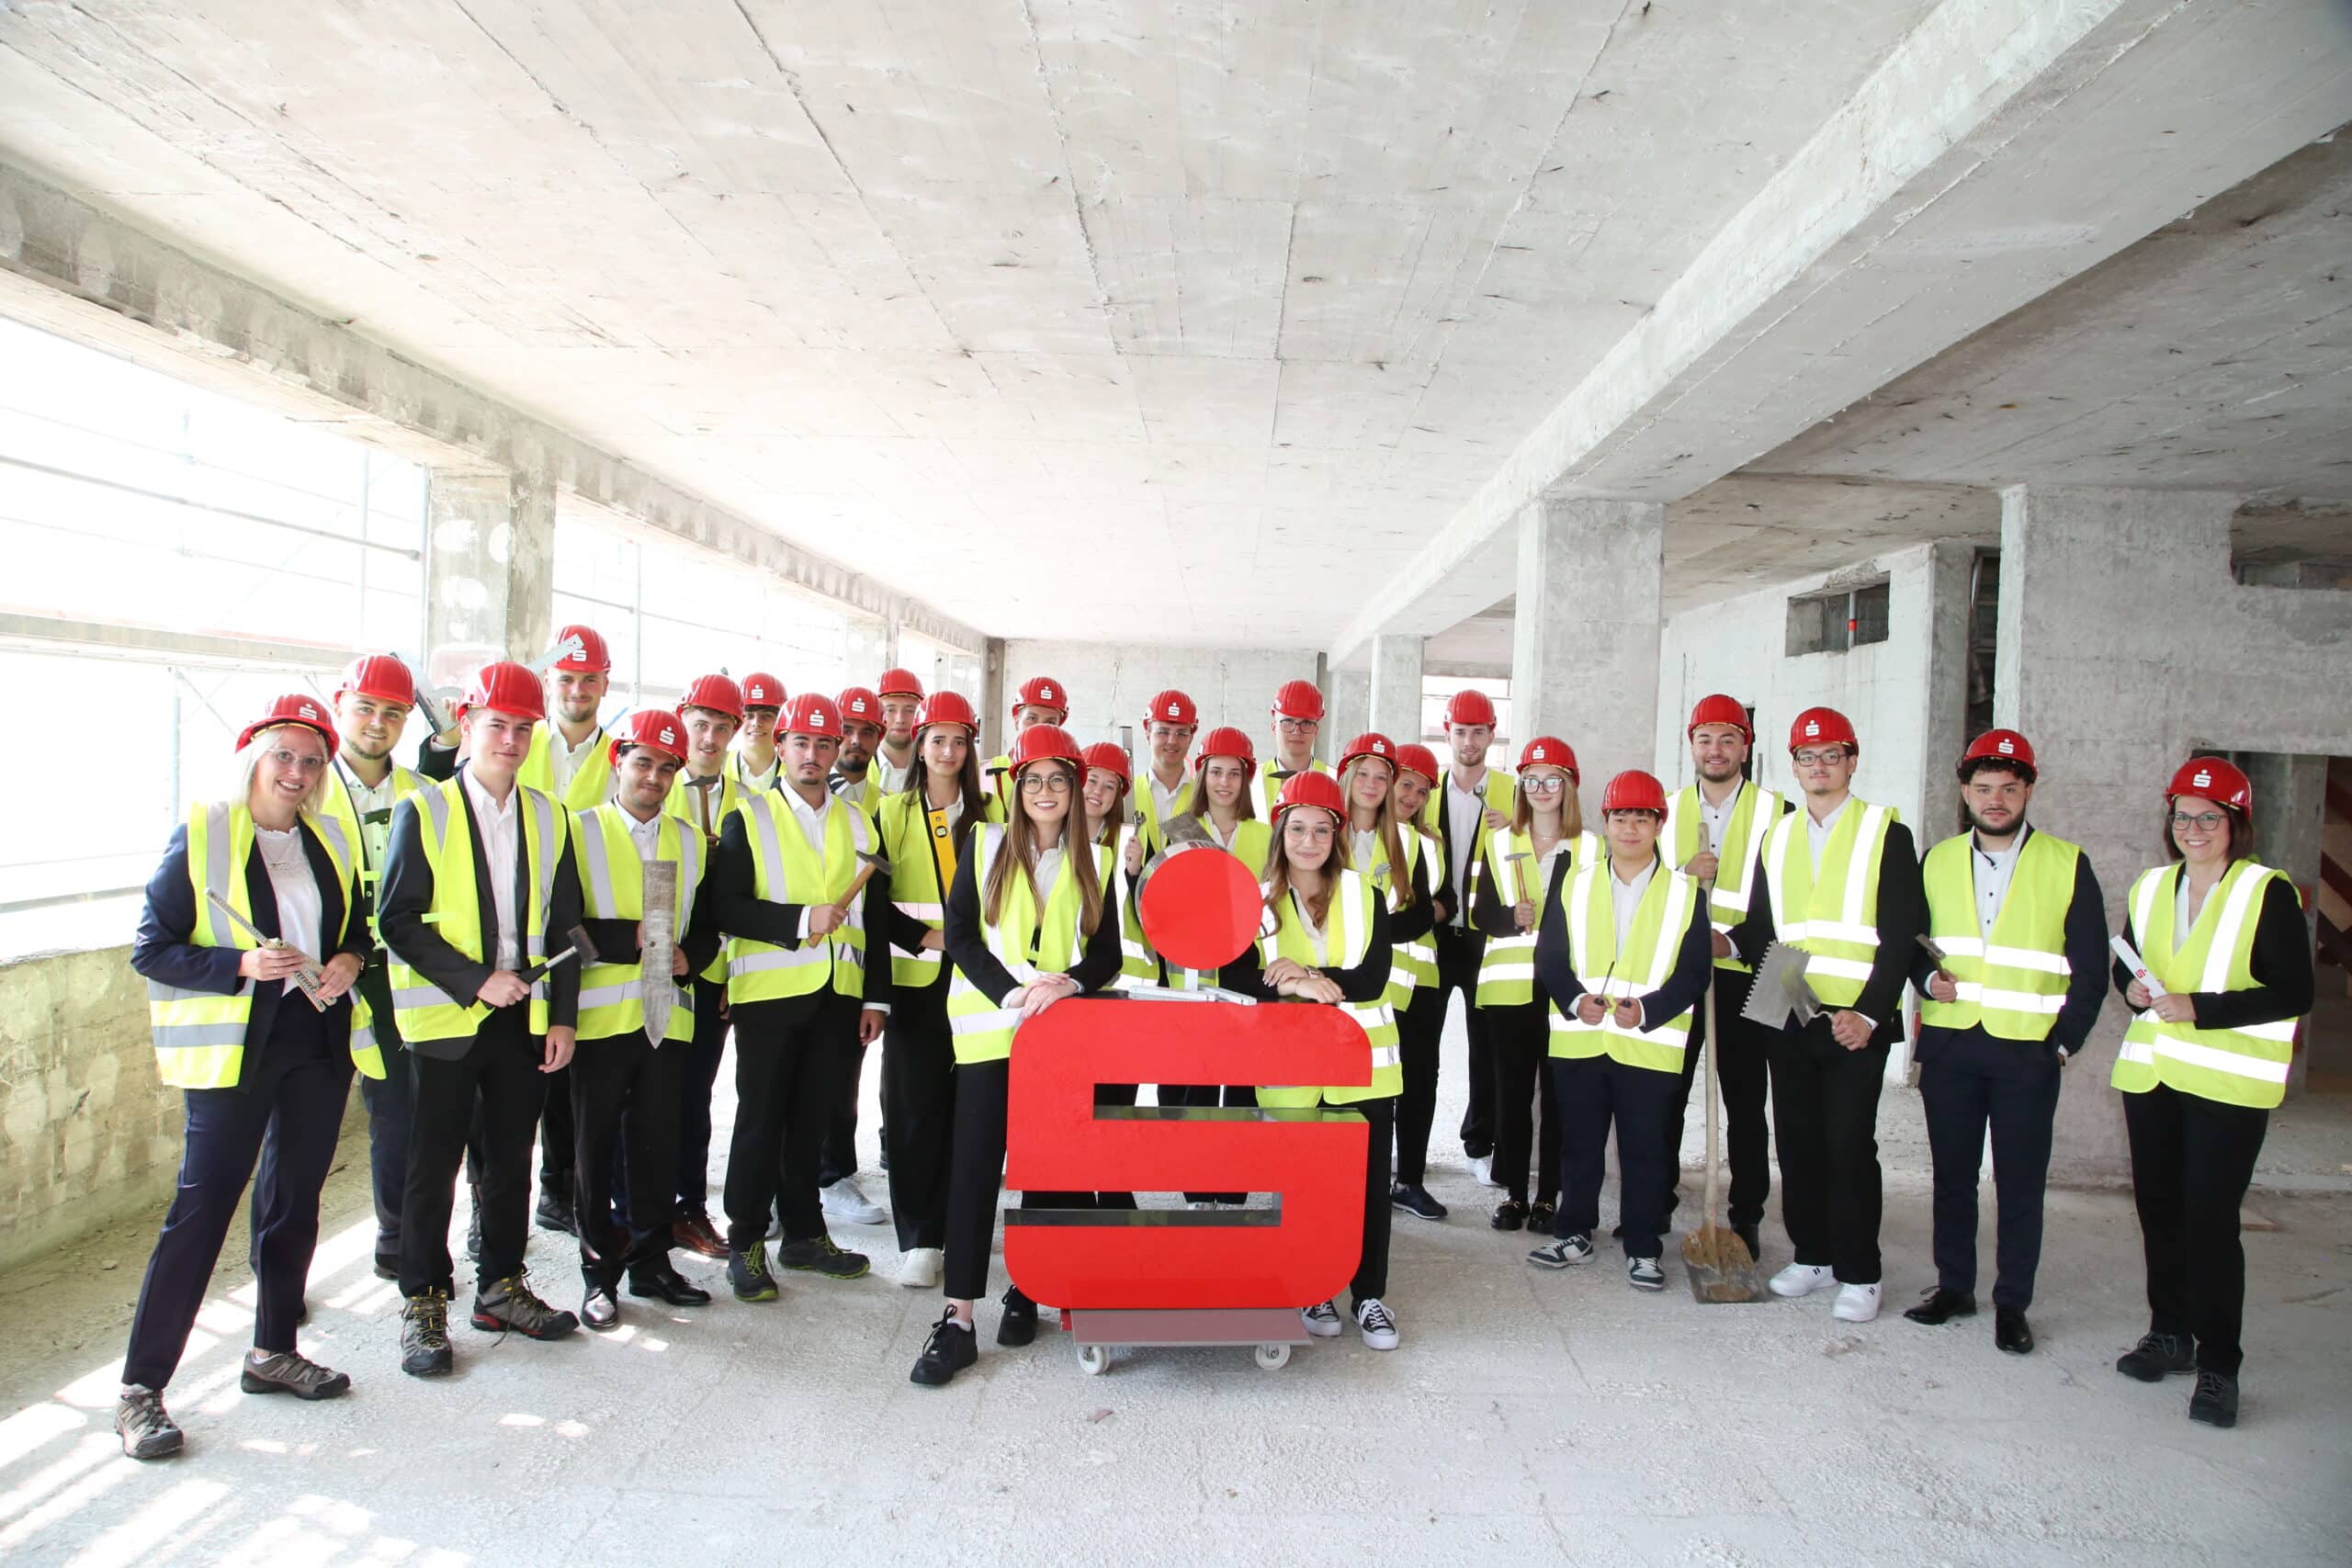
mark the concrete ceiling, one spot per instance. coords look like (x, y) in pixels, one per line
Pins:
(1182, 302)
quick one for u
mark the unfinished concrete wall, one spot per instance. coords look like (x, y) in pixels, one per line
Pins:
(1110, 684)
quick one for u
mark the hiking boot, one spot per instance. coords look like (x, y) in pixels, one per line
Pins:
(147, 1430)
(2215, 1402)
(2156, 1355)
(424, 1334)
(508, 1304)
(289, 1371)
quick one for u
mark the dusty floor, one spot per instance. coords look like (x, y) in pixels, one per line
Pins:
(1529, 1416)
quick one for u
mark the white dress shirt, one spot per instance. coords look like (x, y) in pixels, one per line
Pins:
(375, 837)
(891, 777)
(1816, 833)
(757, 783)
(299, 910)
(1164, 797)
(645, 835)
(1624, 898)
(1992, 872)
(1464, 809)
(566, 760)
(500, 827)
(1716, 819)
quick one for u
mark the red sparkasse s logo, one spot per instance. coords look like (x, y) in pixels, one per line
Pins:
(2009, 748)
(1813, 727)
(2203, 779)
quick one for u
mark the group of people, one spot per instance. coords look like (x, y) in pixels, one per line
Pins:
(545, 932)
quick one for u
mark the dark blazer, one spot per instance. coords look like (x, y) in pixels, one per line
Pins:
(408, 898)
(1416, 919)
(1556, 971)
(1902, 917)
(2086, 953)
(1450, 897)
(1367, 982)
(968, 949)
(740, 911)
(162, 951)
(2281, 963)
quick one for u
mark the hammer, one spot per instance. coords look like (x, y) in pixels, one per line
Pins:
(580, 948)
(870, 864)
(1515, 873)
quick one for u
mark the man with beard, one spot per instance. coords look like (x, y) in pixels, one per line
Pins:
(2016, 917)
(569, 757)
(894, 764)
(854, 777)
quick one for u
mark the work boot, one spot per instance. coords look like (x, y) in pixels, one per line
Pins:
(555, 1204)
(289, 1371)
(2215, 1402)
(748, 1272)
(508, 1304)
(2156, 1355)
(146, 1429)
(818, 1255)
(424, 1334)
(1017, 1324)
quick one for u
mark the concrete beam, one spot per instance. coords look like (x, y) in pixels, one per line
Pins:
(70, 269)
(2002, 147)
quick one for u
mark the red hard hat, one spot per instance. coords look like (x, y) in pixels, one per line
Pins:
(1046, 743)
(1224, 741)
(1299, 699)
(1110, 758)
(1469, 707)
(1042, 692)
(1369, 745)
(811, 712)
(295, 708)
(1721, 709)
(592, 655)
(1822, 726)
(507, 687)
(2209, 777)
(1172, 706)
(761, 690)
(658, 729)
(898, 683)
(380, 676)
(1550, 750)
(946, 708)
(1634, 790)
(1311, 788)
(2001, 746)
(717, 692)
(1420, 758)
(860, 706)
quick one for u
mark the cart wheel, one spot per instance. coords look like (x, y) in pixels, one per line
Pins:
(1095, 1359)
(1269, 1357)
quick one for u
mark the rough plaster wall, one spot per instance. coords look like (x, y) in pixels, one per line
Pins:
(1109, 684)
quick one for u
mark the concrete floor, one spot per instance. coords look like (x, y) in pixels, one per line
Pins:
(1529, 1416)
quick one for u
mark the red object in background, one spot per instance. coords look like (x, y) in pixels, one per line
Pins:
(1312, 1160)
(1200, 908)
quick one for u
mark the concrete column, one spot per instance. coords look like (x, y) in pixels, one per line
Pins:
(1350, 713)
(866, 648)
(489, 569)
(1585, 638)
(1396, 687)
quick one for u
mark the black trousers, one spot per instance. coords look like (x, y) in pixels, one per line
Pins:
(390, 1103)
(838, 1157)
(1234, 1096)
(1596, 1093)
(2192, 1160)
(1519, 1040)
(788, 1057)
(294, 1102)
(1372, 1266)
(1825, 1113)
(625, 1096)
(1459, 952)
(501, 1071)
(1417, 1028)
(1744, 1067)
(697, 1077)
(919, 1112)
(1968, 1081)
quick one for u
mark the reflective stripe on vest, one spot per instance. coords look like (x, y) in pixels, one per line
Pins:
(1667, 907)
(445, 836)
(1833, 918)
(2015, 984)
(2245, 1066)
(1051, 944)
(1507, 969)
(904, 826)
(1737, 859)
(1415, 962)
(1346, 927)
(590, 785)
(611, 887)
(1265, 790)
(785, 870)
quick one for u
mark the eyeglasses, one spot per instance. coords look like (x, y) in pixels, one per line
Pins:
(1045, 784)
(286, 759)
(1544, 785)
(2208, 820)
(1815, 758)
(1298, 725)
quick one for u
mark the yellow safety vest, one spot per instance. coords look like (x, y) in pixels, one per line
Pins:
(590, 787)
(611, 887)
(1347, 936)
(785, 870)
(1416, 961)
(445, 832)
(1155, 839)
(1833, 916)
(1267, 789)
(2014, 983)
(1753, 812)
(199, 1036)
(1663, 917)
(372, 849)
(914, 847)
(1499, 792)
(1027, 944)
(2235, 1067)
(1507, 969)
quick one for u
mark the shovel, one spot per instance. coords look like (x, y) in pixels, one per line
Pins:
(1714, 1256)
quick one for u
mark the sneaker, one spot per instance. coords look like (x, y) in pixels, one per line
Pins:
(1017, 1324)
(847, 1201)
(1378, 1324)
(1510, 1216)
(920, 1267)
(951, 1348)
(1577, 1248)
(147, 1430)
(1415, 1200)
(1856, 1303)
(424, 1334)
(1483, 1168)
(288, 1371)
(2157, 1356)
(818, 1255)
(1643, 1274)
(509, 1305)
(1321, 1320)
(748, 1272)
(1804, 1279)
(2215, 1402)
(1540, 1216)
